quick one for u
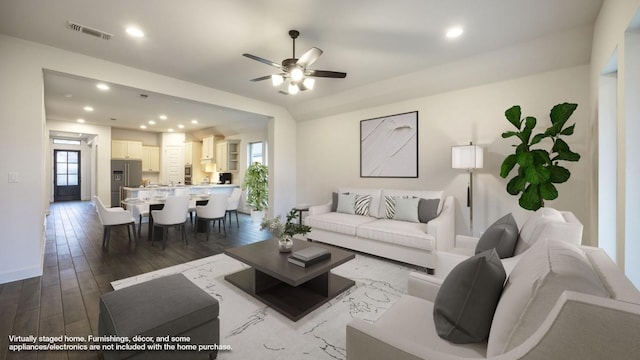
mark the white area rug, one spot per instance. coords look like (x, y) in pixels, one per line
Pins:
(255, 331)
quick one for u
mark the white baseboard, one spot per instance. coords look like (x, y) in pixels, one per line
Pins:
(20, 274)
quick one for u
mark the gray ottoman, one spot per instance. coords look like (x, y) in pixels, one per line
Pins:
(171, 305)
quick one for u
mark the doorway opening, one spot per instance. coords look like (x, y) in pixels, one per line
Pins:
(66, 180)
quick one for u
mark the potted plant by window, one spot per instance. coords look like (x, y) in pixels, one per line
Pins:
(538, 169)
(256, 182)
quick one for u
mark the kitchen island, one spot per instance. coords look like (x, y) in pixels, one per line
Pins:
(132, 192)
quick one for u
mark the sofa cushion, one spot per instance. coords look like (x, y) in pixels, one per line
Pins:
(502, 235)
(542, 274)
(411, 319)
(362, 205)
(423, 194)
(346, 203)
(468, 297)
(337, 222)
(428, 209)
(406, 209)
(374, 206)
(398, 232)
(536, 227)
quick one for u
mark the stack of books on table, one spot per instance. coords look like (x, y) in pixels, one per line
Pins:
(309, 256)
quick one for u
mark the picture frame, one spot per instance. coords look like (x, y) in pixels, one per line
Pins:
(389, 146)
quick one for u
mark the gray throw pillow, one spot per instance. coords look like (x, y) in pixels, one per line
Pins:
(502, 235)
(334, 202)
(428, 209)
(468, 297)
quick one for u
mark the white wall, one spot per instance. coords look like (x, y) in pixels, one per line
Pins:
(609, 38)
(23, 119)
(329, 149)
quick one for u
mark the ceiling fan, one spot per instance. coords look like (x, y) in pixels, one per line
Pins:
(296, 74)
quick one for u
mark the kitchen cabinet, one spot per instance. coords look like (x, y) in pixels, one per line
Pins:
(192, 153)
(126, 149)
(227, 155)
(150, 159)
(208, 148)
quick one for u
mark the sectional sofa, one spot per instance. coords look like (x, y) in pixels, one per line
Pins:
(402, 225)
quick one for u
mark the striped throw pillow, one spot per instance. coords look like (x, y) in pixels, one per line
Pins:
(362, 204)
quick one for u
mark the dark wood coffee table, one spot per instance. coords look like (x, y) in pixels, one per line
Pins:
(291, 290)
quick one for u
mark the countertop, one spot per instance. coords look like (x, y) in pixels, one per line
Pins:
(187, 186)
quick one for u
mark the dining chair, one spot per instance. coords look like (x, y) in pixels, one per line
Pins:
(173, 214)
(110, 217)
(181, 191)
(141, 210)
(232, 204)
(214, 211)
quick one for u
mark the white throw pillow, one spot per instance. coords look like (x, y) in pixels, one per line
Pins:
(346, 203)
(406, 209)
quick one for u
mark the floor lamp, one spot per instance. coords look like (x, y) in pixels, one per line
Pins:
(467, 157)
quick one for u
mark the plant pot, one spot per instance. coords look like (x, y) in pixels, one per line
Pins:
(257, 216)
(285, 244)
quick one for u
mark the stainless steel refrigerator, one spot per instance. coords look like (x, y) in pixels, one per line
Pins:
(124, 173)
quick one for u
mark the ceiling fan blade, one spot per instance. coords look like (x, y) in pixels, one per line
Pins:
(283, 92)
(325, 73)
(309, 57)
(266, 77)
(264, 61)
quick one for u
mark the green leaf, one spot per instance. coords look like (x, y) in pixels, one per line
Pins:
(559, 146)
(530, 123)
(525, 159)
(541, 157)
(536, 139)
(516, 185)
(558, 174)
(537, 174)
(567, 155)
(507, 165)
(569, 130)
(530, 198)
(548, 191)
(551, 132)
(513, 115)
(508, 134)
(561, 113)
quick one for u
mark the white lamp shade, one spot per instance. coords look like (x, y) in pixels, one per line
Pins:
(277, 80)
(466, 157)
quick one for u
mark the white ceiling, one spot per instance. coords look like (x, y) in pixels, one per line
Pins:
(202, 41)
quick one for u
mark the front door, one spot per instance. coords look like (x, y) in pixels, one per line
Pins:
(67, 175)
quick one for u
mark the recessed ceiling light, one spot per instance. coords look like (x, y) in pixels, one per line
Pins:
(194, 121)
(170, 130)
(143, 126)
(151, 122)
(88, 108)
(454, 32)
(181, 126)
(135, 32)
(103, 86)
(80, 121)
(68, 95)
(163, 117)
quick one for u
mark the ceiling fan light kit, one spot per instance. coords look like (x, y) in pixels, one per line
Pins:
(296, 76)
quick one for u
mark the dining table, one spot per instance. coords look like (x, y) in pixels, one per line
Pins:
(156, 202)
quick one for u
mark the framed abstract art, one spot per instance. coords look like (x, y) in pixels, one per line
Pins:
(389, 146)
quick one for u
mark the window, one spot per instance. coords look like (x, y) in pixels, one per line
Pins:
(256, 153)
(66, 141)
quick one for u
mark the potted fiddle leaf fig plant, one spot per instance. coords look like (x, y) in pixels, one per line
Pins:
(256, 182)
(538, 170)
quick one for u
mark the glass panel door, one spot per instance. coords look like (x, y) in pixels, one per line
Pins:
(67, 175)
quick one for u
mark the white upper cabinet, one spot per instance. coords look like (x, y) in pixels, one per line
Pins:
(125, 149)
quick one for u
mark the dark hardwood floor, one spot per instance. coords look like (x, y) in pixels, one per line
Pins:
(64, 300)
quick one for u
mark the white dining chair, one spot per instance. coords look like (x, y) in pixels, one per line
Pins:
(214, 211)
(232, 204)
(141, 210)
(110, 217)
(185, 191)
(173, 214)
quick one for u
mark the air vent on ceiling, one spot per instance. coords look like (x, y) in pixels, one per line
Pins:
(88, 30)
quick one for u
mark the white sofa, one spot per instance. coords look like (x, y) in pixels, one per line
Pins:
(408, 242)
(561, 301)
